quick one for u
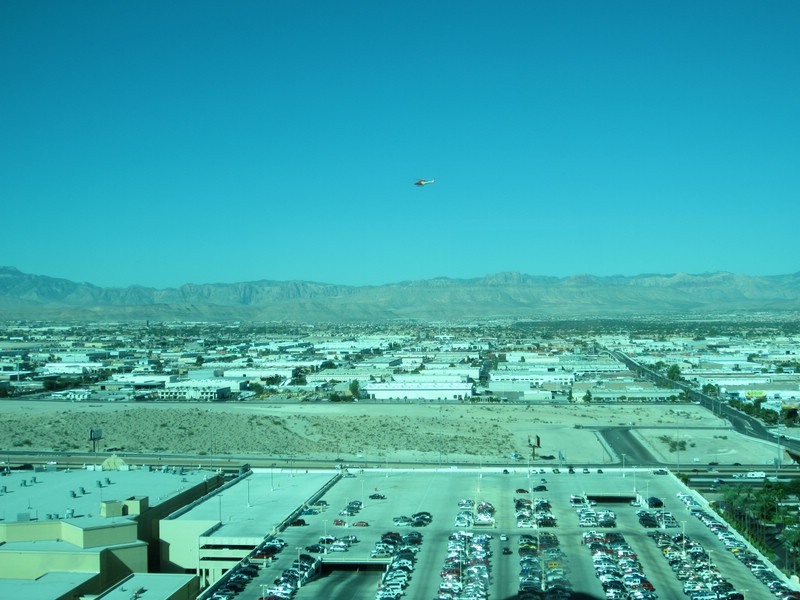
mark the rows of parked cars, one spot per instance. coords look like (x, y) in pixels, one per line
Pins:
(617, 567)
(418, 519)
(469, 513)
(466, 569)
(733, 543)
(392, 543)
(663, 519)
(285, 585)
(589, 515)
(533, 513)
(543, 570)
(236, 582)
(403, 550)
(692, 565)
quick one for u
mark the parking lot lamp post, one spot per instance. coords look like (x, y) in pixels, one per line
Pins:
(248, 493)
(272, 477)
(529, 473)
(539, 554)
(623, 464)
(683, 535)
(299, 581)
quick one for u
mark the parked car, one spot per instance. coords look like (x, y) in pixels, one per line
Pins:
(360, 524)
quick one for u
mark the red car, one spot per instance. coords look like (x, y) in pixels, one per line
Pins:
(298, 523)
(339, 522)
(522, 491)
(360, 524)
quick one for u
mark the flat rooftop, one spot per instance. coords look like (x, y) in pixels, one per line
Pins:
(50, 494)
(49, 586)
(253, 506)
(157, 585)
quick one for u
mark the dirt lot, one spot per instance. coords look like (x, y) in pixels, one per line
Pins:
(374, 432)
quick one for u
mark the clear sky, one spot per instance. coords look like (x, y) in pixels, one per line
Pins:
(162, 143)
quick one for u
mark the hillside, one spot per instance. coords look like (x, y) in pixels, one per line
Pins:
(503, 295)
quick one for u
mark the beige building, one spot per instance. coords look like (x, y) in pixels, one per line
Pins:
(71, 532)
(215, 535)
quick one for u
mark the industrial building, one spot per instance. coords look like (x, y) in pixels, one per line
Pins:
(66, 533)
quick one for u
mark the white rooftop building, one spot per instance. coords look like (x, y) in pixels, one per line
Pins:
(399, 390)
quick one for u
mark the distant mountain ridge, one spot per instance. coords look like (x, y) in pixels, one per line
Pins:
(500, 295)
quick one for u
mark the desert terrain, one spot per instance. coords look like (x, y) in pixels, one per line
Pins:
(375, 433)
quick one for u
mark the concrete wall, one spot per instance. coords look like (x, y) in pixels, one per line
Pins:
(118, 563)
(97, 536)
(30, 531)
(30, 564)
(180, 548)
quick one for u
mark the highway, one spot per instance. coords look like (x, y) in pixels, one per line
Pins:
(740, 422)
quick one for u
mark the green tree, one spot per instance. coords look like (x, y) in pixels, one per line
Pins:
(587, 397)
(355, 389)
(674, 373)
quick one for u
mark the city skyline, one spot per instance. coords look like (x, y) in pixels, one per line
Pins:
(159, 145)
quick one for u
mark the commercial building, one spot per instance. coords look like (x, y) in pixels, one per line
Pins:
(70, 532)
(399, 390)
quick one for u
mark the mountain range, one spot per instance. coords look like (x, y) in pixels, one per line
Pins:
(498, 296)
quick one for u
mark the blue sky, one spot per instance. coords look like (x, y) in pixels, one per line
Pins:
(161, 143)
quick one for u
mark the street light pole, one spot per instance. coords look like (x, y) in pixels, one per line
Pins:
(683, 535)
(623, 464)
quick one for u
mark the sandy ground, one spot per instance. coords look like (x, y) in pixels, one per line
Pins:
(376, 433)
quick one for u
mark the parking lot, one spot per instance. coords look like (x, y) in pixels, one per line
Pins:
(353, 571)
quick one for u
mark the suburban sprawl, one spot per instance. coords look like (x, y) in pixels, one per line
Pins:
(587, 459)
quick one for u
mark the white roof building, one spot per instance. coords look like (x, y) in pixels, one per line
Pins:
(399, 390)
